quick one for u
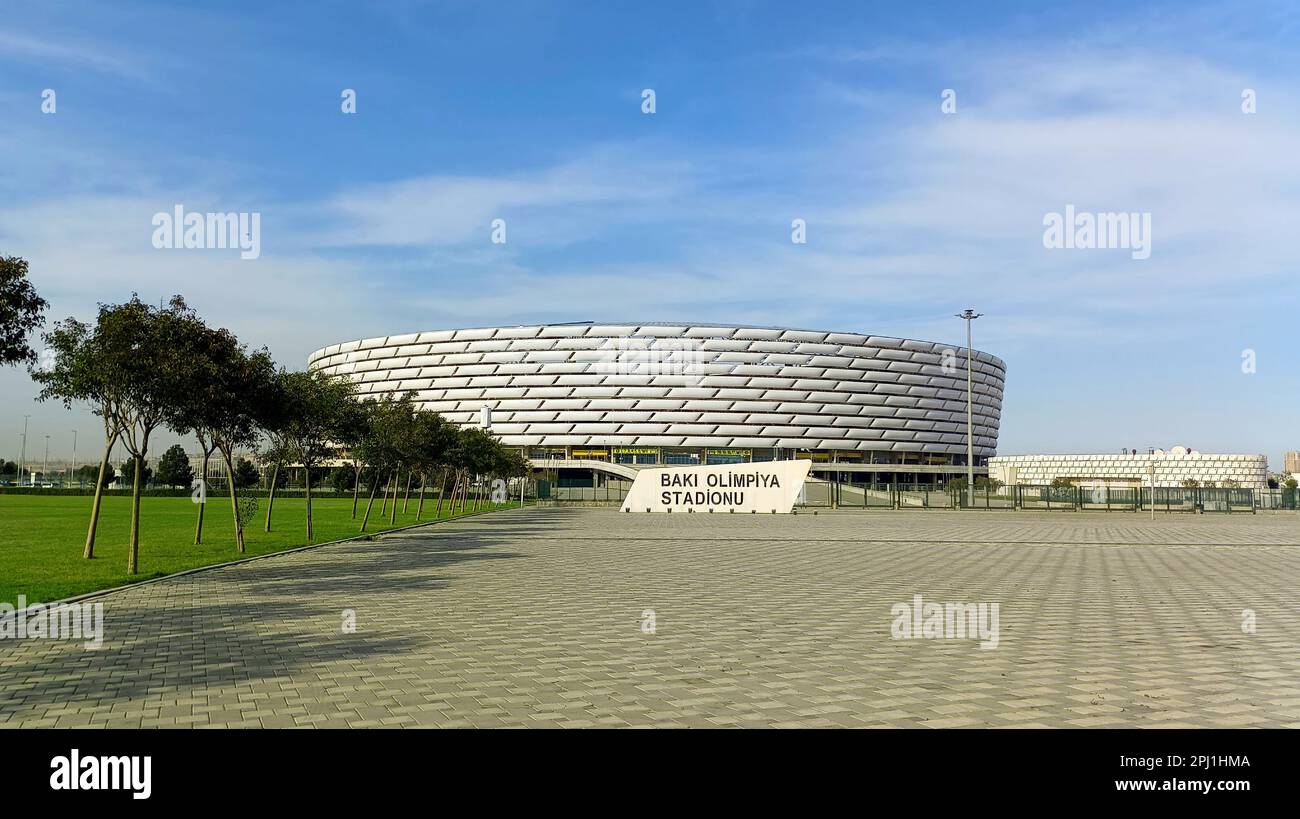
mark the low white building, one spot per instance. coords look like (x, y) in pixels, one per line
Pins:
(1171, 469)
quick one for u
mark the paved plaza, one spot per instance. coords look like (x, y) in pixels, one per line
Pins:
(539, 618)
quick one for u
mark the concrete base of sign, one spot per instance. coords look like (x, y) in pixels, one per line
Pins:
(769, 487)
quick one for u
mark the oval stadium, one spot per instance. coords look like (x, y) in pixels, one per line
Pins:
(596, 401)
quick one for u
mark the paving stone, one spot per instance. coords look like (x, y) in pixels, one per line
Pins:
(534, 618)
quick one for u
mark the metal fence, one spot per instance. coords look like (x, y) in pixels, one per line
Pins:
(819, 494)
(839, 495)
(548, 493)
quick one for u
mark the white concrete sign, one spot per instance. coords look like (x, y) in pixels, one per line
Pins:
(770, 486)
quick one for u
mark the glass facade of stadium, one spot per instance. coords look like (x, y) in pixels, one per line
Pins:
(590, 403)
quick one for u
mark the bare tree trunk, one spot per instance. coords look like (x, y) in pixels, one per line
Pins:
(234, 501)
(307, 470)
(455, 493)
(383, 507)
(419, 507)
(374, 490)
(406, 501)
(442, 491)
(133, 557)
(270, 499)
(356, 487)
(99, 497)
(392, 521)
(203, 479)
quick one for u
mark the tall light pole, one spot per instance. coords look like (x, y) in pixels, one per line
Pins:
(22, 456)
(970, 315)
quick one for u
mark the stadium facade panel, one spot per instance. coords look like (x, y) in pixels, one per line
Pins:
(1170, 469)
(726, 388)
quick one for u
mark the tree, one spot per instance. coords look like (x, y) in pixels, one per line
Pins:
(380, 447)
(21, 312)
(230, 396)
(105, 473)
(83, 370)
(315, 411)
(206, 448)
(244, 387)
(513, 464)
(212, 353)
(275, 454)
(128, 473)
(174, 467)
(1062, 483)
(246, 474)
(477, 455)
(431, 439)
(992, 484)
(8, 468)
(343, 479)
(1189, 483)
(152, 352)
(354, 430)
(457, 460)
(1290, 483)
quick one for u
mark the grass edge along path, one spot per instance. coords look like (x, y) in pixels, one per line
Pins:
(41, 539)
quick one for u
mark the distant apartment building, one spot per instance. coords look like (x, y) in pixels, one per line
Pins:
(1291, 463)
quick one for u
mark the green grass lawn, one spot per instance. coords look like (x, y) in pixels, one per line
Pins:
(42, 538)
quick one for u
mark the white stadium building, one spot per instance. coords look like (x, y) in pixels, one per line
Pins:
(1168, 469)
(600, 400)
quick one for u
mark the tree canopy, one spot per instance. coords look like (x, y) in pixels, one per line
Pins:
(21, 312)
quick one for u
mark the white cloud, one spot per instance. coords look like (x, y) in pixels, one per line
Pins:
(573, 197)
(70, 52)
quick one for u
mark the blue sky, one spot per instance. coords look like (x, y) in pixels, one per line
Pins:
(379, 223)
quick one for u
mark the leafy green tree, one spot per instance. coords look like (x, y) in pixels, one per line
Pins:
(234, 421)
(128, 473)
(477, 456)
(458, 458)
(105, 473)
(382, 440)
(206, 449)
(1290, 483)
(212, 353)
(150, 352)
(314, 411)
(21, 312)
(343, 479)
(82, 370)
(174, 467)
(274, 454)
(246, 474)
(431, 439)
(354, 430)
(231, 395)
(512, 463)
(8, 468)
